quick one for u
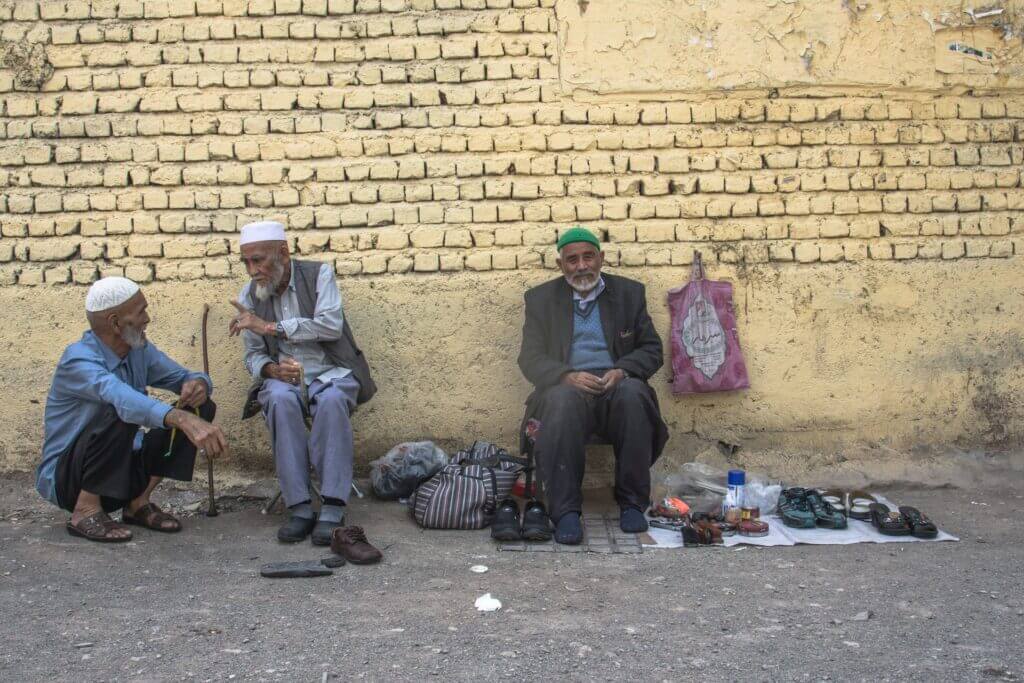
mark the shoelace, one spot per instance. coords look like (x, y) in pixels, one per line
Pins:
(353, 534)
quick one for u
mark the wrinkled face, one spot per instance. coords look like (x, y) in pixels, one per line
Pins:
(581, 265)
(265, 262)
(130, 320)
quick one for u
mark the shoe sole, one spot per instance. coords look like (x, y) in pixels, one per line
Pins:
(505, 536)
(798, 523)
(291, 541)
(568, 541)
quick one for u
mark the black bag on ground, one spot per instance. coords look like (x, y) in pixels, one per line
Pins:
(465, 494)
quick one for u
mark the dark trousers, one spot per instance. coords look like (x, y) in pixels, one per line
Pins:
(101, 460)
(626, 416)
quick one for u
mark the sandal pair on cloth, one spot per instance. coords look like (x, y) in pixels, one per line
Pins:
(909, 521)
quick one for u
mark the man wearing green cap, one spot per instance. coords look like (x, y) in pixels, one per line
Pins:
(589, 348)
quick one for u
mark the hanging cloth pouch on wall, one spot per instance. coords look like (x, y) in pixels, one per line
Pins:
(706, 352)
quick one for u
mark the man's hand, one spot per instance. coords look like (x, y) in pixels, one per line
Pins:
(585, 382)
(247, 320)
(193, 393)
(612, 377)
(207, 437)
(288, 370)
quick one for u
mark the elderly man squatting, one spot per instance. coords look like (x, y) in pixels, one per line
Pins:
(95, 460)
(305, 363)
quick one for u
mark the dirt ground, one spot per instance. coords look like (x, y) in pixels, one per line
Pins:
(192, 606)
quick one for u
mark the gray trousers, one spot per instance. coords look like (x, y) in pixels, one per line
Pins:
(327, 446)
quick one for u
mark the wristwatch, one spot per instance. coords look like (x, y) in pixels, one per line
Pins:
(279, 330)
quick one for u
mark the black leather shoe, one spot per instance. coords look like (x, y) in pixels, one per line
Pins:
(322, 532)
(505, 526)
(536, 526)
(295, 529)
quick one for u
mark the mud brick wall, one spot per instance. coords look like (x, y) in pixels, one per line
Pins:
(433, 138)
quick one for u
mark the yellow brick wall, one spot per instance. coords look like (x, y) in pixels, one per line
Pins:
(428, 137)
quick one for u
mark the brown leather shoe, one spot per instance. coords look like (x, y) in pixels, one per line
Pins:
(350, 542)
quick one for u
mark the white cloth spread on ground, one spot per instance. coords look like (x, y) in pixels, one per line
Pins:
(856, 531)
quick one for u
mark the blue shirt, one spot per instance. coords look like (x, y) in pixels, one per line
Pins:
(91, 376)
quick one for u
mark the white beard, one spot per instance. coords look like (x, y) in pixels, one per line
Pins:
(133, 337)
(582, 283)
(264, 292)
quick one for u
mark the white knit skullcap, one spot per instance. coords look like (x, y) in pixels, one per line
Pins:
(264, 231)
(109, 292)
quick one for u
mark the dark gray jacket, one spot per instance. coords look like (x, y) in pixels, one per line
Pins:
(632, 340)
(342, 352)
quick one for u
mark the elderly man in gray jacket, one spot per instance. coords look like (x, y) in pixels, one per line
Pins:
(306, 366)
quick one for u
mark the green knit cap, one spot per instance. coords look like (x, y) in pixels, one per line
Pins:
(577, 234)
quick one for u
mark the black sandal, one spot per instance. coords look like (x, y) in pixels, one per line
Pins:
(536, 524)
(505, 526)
(888, 522)
(920, 526)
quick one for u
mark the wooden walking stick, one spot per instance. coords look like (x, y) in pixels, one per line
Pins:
(211, 508)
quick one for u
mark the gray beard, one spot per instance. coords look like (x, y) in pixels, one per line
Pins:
(133, 337)
(264, 292)
(580, 285)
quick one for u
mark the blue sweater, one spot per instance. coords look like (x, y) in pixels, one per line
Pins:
(589, 349)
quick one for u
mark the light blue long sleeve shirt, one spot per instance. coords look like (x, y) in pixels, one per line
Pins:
(302, 335)
(89, 377)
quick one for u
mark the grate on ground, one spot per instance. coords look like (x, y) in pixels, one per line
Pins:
(601, 534)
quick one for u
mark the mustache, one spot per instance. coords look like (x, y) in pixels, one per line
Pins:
(582, 282)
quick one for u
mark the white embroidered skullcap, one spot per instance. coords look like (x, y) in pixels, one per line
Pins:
(263, 231)
(109, 292)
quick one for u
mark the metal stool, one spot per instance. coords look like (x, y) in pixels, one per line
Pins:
(312, 485)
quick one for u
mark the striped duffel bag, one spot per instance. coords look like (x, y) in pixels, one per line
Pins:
(465, 494)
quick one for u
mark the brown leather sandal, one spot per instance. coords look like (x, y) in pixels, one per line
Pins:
(152, 517)
(98, 527)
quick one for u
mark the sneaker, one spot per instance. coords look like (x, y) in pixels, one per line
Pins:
(350, 542)
(824, 514)
(536, 526)
(795, 510)
(505, 526)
